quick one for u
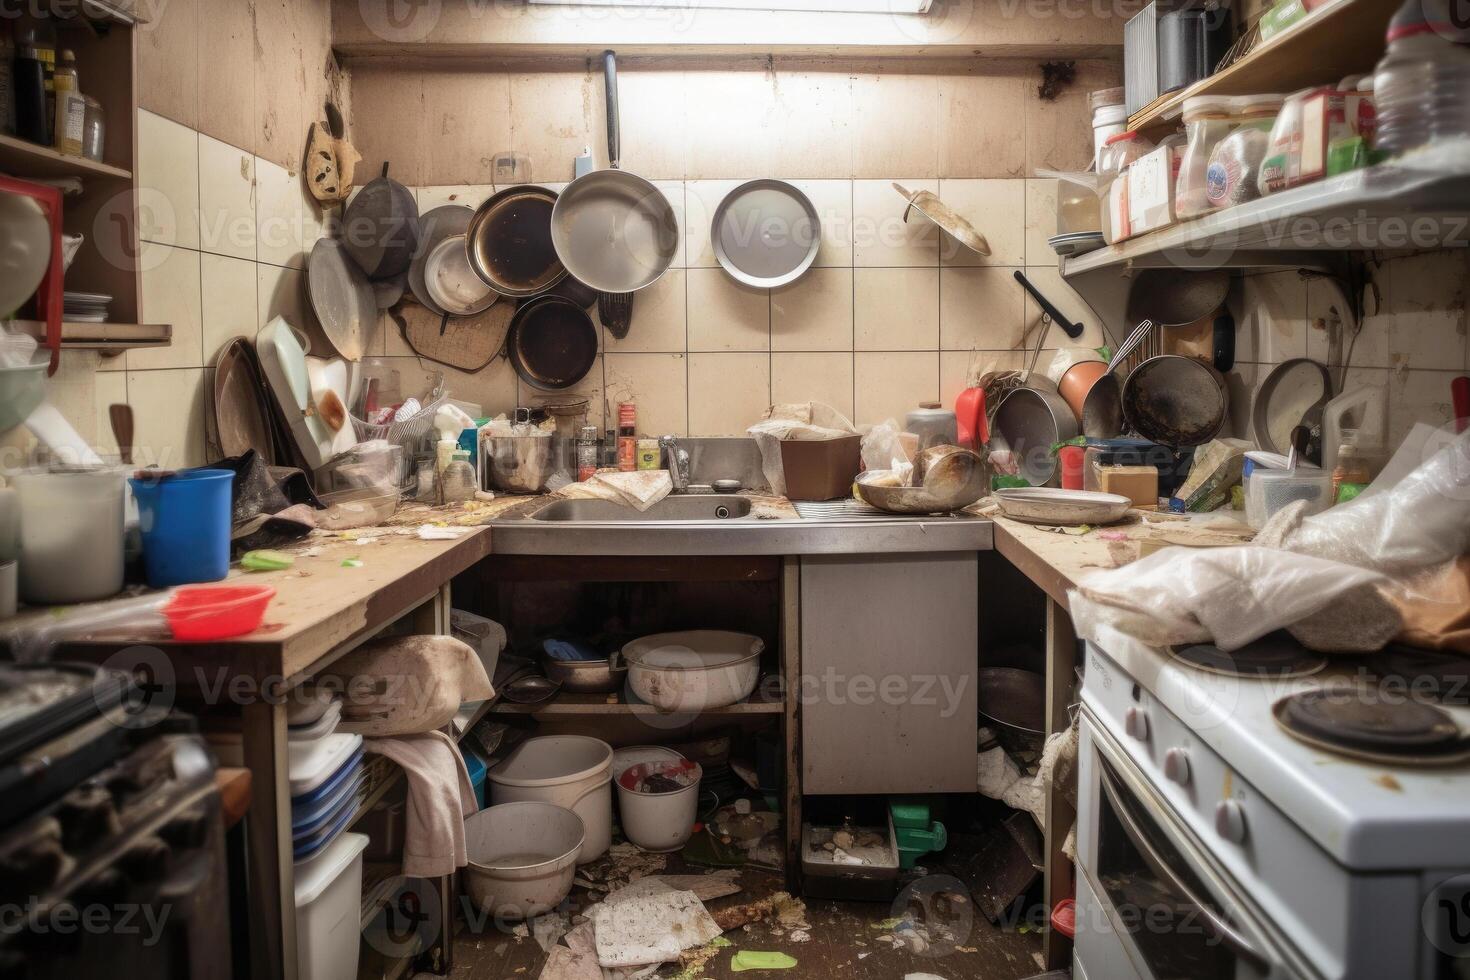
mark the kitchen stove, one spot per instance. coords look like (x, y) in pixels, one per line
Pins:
(1212, 843)
(1430, 675)
(1356, 721)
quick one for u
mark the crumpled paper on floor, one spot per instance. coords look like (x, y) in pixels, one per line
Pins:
(651, 929)
(810, 421)
(998, 778)
(639, 489)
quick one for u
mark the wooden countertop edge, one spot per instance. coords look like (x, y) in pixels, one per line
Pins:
(1044, 575)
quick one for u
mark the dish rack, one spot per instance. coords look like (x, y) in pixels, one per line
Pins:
(409, 433)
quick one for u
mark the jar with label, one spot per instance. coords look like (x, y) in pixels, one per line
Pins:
(71, 106)
(627, 437)
(94, 130)
(1207, 120)
(649, 454)
(587, 452)
(1235, 163)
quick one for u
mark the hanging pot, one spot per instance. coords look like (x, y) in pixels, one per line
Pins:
(380, 228)
(509, 242)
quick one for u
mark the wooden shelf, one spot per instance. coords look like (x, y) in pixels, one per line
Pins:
(569, 705)
(109, 338)
(1344, 38)
(27, 160)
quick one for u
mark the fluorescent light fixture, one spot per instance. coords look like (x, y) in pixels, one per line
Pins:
(825, 6)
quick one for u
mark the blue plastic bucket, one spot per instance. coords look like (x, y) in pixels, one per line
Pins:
(185, 521)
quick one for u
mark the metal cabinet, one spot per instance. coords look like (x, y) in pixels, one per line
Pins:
(889, 655)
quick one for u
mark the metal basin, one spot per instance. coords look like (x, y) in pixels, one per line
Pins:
(695, 508)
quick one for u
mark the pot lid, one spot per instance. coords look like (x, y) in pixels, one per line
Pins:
(766, 233)
(931, 207)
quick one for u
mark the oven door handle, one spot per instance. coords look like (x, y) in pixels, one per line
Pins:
(1222, 930)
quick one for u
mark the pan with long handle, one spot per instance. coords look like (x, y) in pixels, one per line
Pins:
(612, 229)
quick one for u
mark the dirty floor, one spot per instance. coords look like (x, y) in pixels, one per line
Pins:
(846, 939)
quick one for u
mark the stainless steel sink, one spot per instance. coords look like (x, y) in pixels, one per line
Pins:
(677, 508)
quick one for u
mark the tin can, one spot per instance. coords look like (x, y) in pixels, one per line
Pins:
(648, 454)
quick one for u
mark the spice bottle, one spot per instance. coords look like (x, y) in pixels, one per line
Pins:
(586, 453)
(71, 106)
(627, 437)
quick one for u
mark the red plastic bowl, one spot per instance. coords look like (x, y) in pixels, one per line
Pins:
(203, 613)
(1064, 917)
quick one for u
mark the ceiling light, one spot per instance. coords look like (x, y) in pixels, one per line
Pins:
(825, 6)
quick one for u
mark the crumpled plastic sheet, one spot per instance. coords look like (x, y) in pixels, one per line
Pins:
(1325, 578)
(1229, 595)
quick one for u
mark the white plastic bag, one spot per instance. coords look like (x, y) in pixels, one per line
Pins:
(812, 421)
(882, 448)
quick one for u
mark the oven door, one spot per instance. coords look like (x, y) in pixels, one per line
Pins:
(1151, 893)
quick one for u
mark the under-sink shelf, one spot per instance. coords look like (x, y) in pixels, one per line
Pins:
(759, 703)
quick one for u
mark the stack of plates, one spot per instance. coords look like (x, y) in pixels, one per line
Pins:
(85, 307)
(1077, 242)
(327, 786)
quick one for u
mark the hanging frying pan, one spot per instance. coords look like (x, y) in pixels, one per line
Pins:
(380, 227)
(509, 242)
(341, 297)
(553, 343)
(766, 233)
(613, 230)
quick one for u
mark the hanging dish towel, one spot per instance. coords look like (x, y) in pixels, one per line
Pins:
(440, 796)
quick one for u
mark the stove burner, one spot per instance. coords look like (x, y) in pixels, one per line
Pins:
(1430, 675)
(1360, 723)
(1275, 656)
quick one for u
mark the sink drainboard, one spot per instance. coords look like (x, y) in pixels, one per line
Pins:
(849, 510)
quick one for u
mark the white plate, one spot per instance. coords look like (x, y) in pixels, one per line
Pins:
(1045, 505)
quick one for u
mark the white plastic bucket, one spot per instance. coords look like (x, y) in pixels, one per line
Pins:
(522, 858)
(329, 911)
(573, 771)
(659, 822)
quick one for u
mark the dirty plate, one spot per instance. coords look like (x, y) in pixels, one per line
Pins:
(1042, 505)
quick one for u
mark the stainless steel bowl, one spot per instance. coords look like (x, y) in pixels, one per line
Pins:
(587, 676)
(521, 464)
(1028, 423)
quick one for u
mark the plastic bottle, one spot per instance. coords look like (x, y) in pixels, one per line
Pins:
(71, 106)
(1420, 85)
(627, 437)
(587, 452)
(1359, 418)
(458, 482)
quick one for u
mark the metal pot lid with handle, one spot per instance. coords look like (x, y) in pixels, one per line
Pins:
(766, 233)
(931, 207)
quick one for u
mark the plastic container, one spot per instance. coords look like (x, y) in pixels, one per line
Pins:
(1235, 163)
(200, 615)
(660, 822)
(632, 755)
(1271, 490)
(1191, 43)
(1122, 149)
(522, 858)
(312, 766)
(319, 729)
(71, 534)
(185, 521)
(328, 911)
(1207, 120)
(474, 766)
(1358, 417)
(1420, 84)
(1107, 121)
(571, 771)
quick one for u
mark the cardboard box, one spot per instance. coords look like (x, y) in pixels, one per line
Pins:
(821, 469)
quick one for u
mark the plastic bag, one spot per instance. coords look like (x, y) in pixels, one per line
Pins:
(883, 449)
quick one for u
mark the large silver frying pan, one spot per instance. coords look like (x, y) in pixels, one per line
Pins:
(612, 229)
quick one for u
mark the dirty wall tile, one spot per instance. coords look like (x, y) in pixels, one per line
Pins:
(226, 199)
(815, 313)
(727, 392)
(725, 315)
(983, 132)
(804, 377)
(170, 294)
(657, 383)
(168, 181)
(997, 210)
(168, 63)
(888, 385)
(895, 125)
(227, 77)
(881, 238)
(467, 122)
(979, 308)
(897, 309)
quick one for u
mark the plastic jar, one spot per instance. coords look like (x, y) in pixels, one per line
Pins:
(1235, 163)
(1122, 149)
(1207, 120)
(1420, 89)
(1107, 121)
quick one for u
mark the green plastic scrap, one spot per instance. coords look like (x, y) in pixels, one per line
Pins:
(266, 561)
(749, 959)
(351, 562)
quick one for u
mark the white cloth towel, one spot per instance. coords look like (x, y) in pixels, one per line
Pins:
(440, 797)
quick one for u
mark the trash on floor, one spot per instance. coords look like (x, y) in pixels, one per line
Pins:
(651, 928)
(749, 959)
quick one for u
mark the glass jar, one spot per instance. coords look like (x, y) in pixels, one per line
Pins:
(458, 482)
(1207, 120)
(1235, 162)
(94, 130)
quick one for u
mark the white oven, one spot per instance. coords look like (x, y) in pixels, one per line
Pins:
(1212, 845)
(1151, 904)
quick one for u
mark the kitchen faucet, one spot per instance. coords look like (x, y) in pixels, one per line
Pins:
(677, 462)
